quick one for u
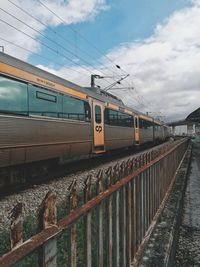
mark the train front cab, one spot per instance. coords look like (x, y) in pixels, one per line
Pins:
(98, 128)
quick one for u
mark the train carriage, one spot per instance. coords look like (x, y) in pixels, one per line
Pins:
(43, 116)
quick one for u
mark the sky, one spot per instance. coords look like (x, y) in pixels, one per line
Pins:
(156, 43)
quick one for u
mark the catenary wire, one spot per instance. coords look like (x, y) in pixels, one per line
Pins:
(48, 39)
(51, 39)
(41, 56)
(81, 35)
(60, 35)
(48, 47)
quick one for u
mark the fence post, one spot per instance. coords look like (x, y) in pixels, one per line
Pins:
(47, 216)
(16, 228)
(88, 237)
(73, 234)
(109, 208)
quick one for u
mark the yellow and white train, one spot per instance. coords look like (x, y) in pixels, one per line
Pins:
(43, 116)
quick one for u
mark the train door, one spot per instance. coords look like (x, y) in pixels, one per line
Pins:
(98, 128)
(137, 135)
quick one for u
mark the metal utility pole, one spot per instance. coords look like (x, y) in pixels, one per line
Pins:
(96, 76)
(93, 77)
(2, 47)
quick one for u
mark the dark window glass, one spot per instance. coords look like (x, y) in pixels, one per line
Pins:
(75, 109)
(87, 111)
(145, 124)
(13, 96)
(97, 114)
(116, 118)
(47, 97)
(44, 102)
(113, 117)
(106, 116)
(136, 122)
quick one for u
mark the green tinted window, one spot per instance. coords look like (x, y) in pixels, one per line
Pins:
(44, 102)
(145, 124)
(75, 109)
(13, 96)
(116, 118)
(46, 96)
(98, 114)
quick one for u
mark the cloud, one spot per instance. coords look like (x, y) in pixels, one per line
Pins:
(165, 66)
(72, 11)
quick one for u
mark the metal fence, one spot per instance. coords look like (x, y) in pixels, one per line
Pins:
(109, 223)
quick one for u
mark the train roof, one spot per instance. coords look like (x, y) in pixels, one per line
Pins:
(94, 92)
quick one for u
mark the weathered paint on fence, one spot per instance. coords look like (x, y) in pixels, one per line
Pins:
(127, 200)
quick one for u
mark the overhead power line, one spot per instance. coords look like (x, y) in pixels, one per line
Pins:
(45, 45)
(56, 51)
(42, 34)
(82, 36)
(68, 41)
(41, 56)
(49, 39)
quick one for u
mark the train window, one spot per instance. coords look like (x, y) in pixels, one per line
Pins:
(113, 117)
(46, 96)
(136, 122)
(43, 102)
(13, 96)
(97, 114)
(116, 118)
(145, 124)
(87, 111)
(75, 109)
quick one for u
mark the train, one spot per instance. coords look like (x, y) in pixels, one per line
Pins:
(45, 117)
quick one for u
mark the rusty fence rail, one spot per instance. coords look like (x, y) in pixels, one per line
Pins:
(112, 224)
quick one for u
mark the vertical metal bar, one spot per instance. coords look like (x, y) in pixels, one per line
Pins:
(110, 180)
(142, 206)
(157, 185)
(100, 235)
(152, 197)
(123, 228)
(88, 239)
(135, 215)
(72, 231)
(129, 224)
(73, 252)
(117, 233)
(100, 222)
(153, 190)
(110, 243)
(144, 197)
(147, 199)
(138, 210)
(161, 178)
(150, 193)
(159, 182)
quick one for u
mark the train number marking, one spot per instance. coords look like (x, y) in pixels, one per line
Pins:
(98, 129)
